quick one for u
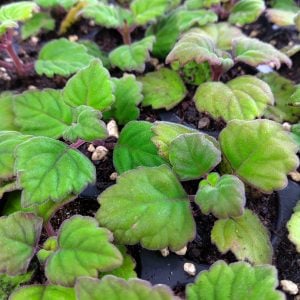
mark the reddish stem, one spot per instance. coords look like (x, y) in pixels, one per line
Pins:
(216, 72)
(49, 229)
(77, 144)
(125, 32)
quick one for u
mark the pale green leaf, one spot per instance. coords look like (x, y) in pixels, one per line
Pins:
(293, 227)
(243, 98)
(135, 148)
(245, 236)
(42, 113)
(84, 249)
(223, 196)
(132, 57)
(155, 197)
(236, 281)
(20, 11)
(260, 152)
(195, 4)
(128, 93)
(255, 52)
(91, 86)
(246, 11)
(61, 57)
(7, 115)
(192, 155)
(19, 236)
(4, 25)
(49, 170)
(162, 89)
(281, 17)
(113, 288)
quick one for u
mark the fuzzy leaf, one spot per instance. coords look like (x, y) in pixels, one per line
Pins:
(45, 292)
(128, 93)
(132, 57)
(155, 197)
(243, 98)
(245, 236)
(84, 249)
(7, 115)
(50, 170)
(145, 11)
(255, 52)
(293, 227)
(296, 133)
(38, 22)
(194, 46)
(246, 11)
(20, 11)
(195, 4)
(281, 17)
(61, 57)
(192, 155)
(87, 125)
(19, 236)
(223, 196)
(42, 113)
(244, 145)
(113, 288)
(9, 140)
(236, 281)
(91, 86)
(7, 186)
(135, 148)
(162, 89)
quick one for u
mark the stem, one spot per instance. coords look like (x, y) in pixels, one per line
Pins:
(49, 229)
(7, 65)
(125, 32)
(77, 144)
(217, 72)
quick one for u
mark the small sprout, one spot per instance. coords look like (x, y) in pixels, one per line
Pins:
(112, 128)
(182, 251)
(99, 153)
(165, 252)
(113, 176)
(289, 287)
(91, 148)
(190, 269)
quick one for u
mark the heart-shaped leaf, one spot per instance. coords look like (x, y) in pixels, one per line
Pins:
(132, 57)
(84, 249)
(192, 155)
(62, 57)
(246, 11)
(45, 292)
(7, 115)
(19, 236)
(223, 196)
(135, 148)
(156, 198)
(20, 11)
(243, 98)
(42, 113)
(128, 93)
(293, 226)
(236, 281)
(114, 288)
(162, 89)
(244, 145)
(49, 170)
(87, 125)
(255, 52)
(91, 86)
(245, 236)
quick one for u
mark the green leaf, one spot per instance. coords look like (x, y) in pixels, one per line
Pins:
(9, 140)
(38, 22)
(20, 11)
(288, 5)
(281, 17)
(245, 236)
(255, 52)
(246, 11)
(223, 196)
(4, 25)
(42, 113)
(192, 155)
(155, 197)
(195, 4)
(49, 170)
(114, 288)
(145, 11)
(126, 270)
(87, 125)
(84, 249)
(235, 281)
(244, 145)
(135, 148)
(19, 236)
(61, 57)
(132, 57)
(7, 115)
(198, 47)
(91, 86)
(128, 93)
(162, 89)
(7, 186)
(293, 226)
(45, 292)
(296, 134)
(243, 98)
